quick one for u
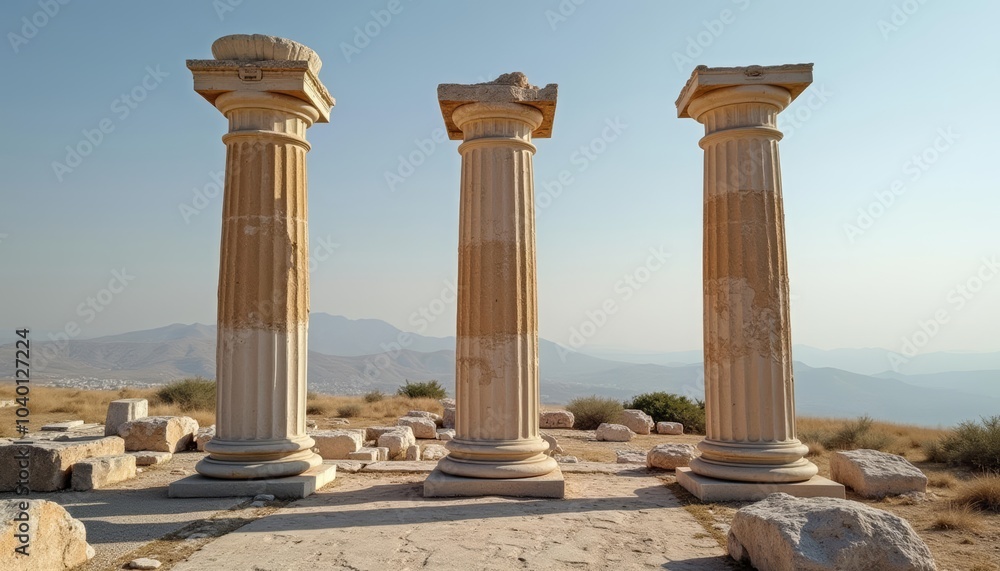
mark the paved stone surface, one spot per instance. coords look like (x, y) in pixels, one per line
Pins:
(377, 522)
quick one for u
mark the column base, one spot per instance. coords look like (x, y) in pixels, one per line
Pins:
(253, 460)
(293, 487)
(499, 459)
(443, 485)
(714, 490)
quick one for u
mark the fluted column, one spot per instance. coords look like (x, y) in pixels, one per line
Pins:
(497, 393)
(268, 90)
(749, 389)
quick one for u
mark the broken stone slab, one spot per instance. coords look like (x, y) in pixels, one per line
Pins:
(413, 453)
(204, 435)
(103, 471)
(613, 433)
(365, 455)
(637, 421)
(397, 442)
(62, 426)
(159, 433)
(124, 410)
(51, 461)
(349, 466)
(874, 474)
(374, 432)
(782, 532)
(669, 428)
(446, 434)
(151, 458)
(423, 428)
(630, 457)
(424, 414)
(57, 540)
(337, 444)
(671, 456)
(433, 452)
(556, 419)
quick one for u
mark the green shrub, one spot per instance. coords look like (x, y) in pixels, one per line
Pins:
(349, 410)
(590, 412)
(374, 396)
(974, 444)
(665, 407)
(429, 389)
(189, 394)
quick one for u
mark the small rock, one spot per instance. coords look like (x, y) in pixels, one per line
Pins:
(413, 453)
(179, 472)
(446, 434)
(263, 498)
(669, 428)
(630, 457)
(567, 459)
(143, 563)
(614, 433)
(258, 504)
(310, 424)
(671, 456)
(433, 452)
(637, 421)
(338, 421)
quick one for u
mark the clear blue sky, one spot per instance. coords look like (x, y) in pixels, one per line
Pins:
(882, 94)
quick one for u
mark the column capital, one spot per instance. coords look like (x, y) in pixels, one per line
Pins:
(791, 78)
(509, 88)
(262, 64)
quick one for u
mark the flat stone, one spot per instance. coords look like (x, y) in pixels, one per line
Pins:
(103, 471)
(151, 458)
(62, 426)
(874, 474)
(400, 467)
(292, 487)
(51, 461)
(556, 419)
(598, 467)
(348, 466)
(364, 455)
(63, 545)
(711, 490)
(124, 410)
(441, 485)
(630, 457)
(424, 414)
(669, 428)
(374, 432)
(143, 563)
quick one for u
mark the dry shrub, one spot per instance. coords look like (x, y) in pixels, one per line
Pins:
(982, 493)
(942, 481)
(349, 411)
(957, 518)
(590, 412)
(974, 444)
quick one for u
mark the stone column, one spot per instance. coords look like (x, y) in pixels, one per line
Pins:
(496, 387)
(268, 89)
(749, 391)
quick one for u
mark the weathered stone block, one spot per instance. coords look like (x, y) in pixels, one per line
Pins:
(397, 443)
(60, 541)
(671, 456)
(124, 410)
(365, 455)
(51, 461)
(613, 433)
(413, 453)
(161, 433)
(151, 458)
(337, 444)
(556, 419)
(103, 471)
(637, 421)
(875, 474)
(204, 435)
(433, 452)
(630, 457)
(669, 428)
(423, 428)
(446, 434)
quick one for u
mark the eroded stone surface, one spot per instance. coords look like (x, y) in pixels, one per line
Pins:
(124, 410)
(637, 421)
(556, 419)
(103, 471)
(423, 428)
(397, 442)
(671, 456)
(669, 428)
(159, 433)
(51, 461)
(60, 541)
(783, 533)
(613, 433)
(337, 444)
(875, 474)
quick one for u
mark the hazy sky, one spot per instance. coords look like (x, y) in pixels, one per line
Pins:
(904, 99)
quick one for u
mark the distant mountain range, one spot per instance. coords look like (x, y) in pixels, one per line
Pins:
(352, 356)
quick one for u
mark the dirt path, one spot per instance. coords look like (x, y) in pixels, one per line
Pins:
(363, 522)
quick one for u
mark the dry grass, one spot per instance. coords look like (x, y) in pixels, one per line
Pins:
(834, 433)
(942, 480)
(957, 518)
(982, 493)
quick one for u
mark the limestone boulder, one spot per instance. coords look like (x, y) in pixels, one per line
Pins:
(159, 433)
(374, 432)
(364, 455)
(783, 533)
(671, 456)
(124, 410)
(103, 471)
(424, 414)
(556, 419)
(446, 434)
(57, 541)
(669, 428)
(51, 461)
(614, 433)
(875, 474)
(448, 419)
(204, 435)
(630, 457)
(433, 452)
(413, 453)
(637, 421)
(397, 442)
(423, 428)
(337, 444)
